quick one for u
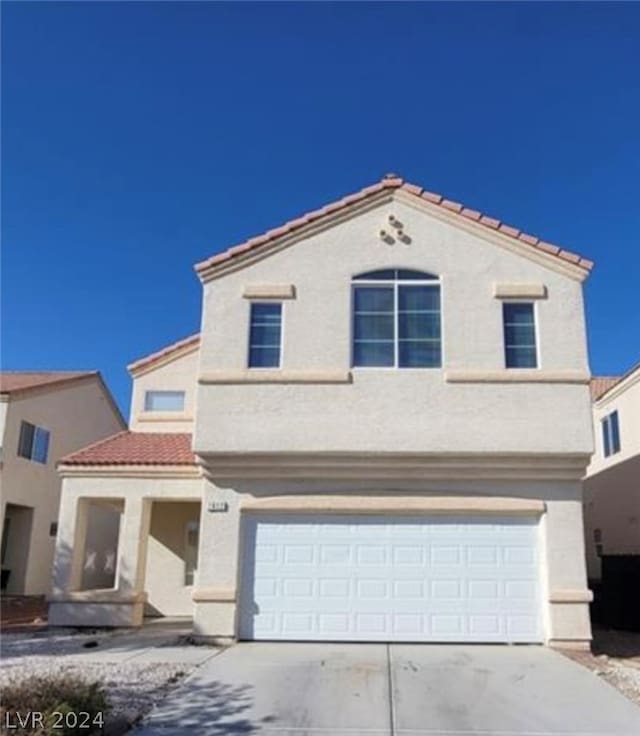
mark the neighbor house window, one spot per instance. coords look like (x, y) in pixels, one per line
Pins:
(192, 537)
(396, 320)
(611, 434)
(33, 443)
(519, 335)
(164, 401)
(265, 335)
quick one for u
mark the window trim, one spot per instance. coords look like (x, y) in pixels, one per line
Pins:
(280, 346)
(536, 335)
(358, 282)
(611, 442)
(149, 410)
(37, 433)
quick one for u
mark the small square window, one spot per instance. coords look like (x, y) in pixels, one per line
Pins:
(164, 401)
(53, 529)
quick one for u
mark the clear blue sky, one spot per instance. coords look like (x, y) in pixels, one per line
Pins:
(138, 139)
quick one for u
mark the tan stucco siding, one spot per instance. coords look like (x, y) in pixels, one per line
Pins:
(385, 408)
(175, 375)
(165, 584)
(76, 416)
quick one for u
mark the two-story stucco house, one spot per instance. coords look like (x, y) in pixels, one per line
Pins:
(378, 435)
(43, 416)
(612, 485)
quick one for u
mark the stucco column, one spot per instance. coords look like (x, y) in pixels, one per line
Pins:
(70, 543)
(215, 594)
(133, 543)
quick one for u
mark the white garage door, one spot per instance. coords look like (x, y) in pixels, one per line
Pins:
(357, 578)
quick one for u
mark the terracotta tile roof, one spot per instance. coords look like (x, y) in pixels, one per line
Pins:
(136, 448)
(11, 381)
(601, 384)
(391, 181)
(164, 353)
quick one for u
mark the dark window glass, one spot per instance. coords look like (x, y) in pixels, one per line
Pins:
(25, 443)
(611, 434)
(519, 335)
(397, 324)
(265, 335)
(615, 433)
(40, 445)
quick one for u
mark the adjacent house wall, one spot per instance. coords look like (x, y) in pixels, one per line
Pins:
(76, 414)
(612, 484)
(179, 374)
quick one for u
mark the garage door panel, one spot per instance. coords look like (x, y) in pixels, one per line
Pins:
(354, 578)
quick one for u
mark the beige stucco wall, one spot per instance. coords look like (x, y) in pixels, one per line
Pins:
(612, 484)
(386, 409)
(563, 564)
(124, 604)
(177, 375)
(167, 593)
(76, 415)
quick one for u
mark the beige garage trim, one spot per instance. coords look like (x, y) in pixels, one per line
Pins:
(386, 504)
(215, 595)
(570, 595)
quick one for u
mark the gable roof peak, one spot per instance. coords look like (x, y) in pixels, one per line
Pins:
(393, 181)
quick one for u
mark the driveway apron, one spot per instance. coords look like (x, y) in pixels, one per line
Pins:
(304, 689)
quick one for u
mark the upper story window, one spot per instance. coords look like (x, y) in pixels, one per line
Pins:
(265, 335)
(519, 335)
(33, 443)
(164, 401)
(396, 319)
(611, 434)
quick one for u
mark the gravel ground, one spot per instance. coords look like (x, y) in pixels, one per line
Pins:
(133, 688)
(615, 658)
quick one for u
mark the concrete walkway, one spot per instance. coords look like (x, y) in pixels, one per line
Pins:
(392, 690)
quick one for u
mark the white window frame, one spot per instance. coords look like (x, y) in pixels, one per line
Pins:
(606, 424)
(536, 335)
(150, 391)
(280, 346)
(395, 283)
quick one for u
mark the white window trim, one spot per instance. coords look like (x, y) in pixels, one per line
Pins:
(606, 425)
(163, 391)
(395, 283)
(536, 333)
(280, 347)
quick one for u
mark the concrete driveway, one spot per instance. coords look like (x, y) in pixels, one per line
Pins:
(392, 690)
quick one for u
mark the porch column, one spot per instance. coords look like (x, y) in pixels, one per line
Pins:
(70, 543)
(132, 549)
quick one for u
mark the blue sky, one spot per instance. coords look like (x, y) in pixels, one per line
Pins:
(139, 138)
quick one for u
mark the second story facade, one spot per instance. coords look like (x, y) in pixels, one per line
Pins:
(393, 324)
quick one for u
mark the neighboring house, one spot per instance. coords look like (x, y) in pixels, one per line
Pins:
(379, 434)
(612, 484)
(43, 416)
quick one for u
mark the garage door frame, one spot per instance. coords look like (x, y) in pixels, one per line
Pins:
(249, 527)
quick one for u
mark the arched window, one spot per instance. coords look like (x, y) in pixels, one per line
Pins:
(396, 319)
